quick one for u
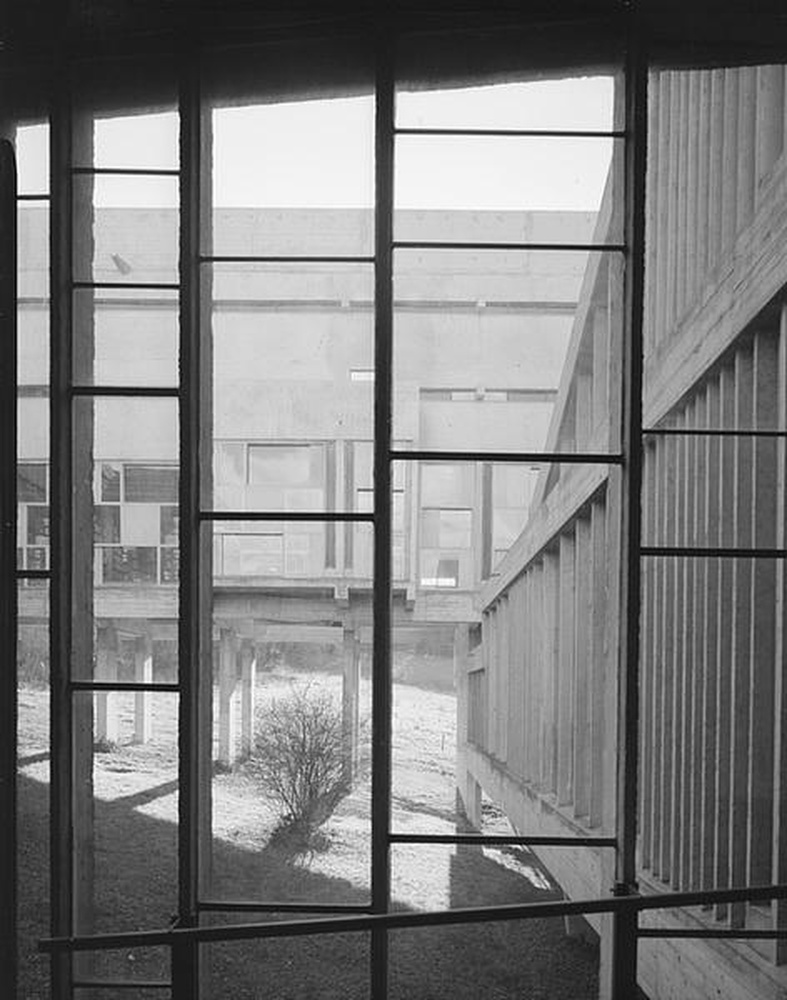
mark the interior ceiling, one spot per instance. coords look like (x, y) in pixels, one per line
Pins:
(95, 24)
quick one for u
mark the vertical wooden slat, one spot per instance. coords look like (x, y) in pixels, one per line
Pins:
(583, 651)
(729, 168)
(763, 624)
(692, 183)
(670, 245)
(709, 639)
(703, 176)
(503, 673)
(565, 676)
(769, 127)
(747, 108)
(715, 151)
(681, 126)
(698, 473)
(599, 722)
(741, 637)
(669, 585)
(550, 619)
(647, 661)
(726, 524)
(662, 153)
(690, 666)
(779, 870)
(677, 656)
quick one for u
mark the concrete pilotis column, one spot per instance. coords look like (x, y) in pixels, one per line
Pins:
(350, 703)
(228, 679)
(106, 717)
(248, 684)
(143, 674)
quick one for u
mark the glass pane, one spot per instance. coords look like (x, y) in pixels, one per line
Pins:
(507, 351)
(33, 694)
(453, 876)
(529, 958)
(295, 177)
(33, 260)
(572, 102)
(125, 539)
(126, 812)
(291, 793)
(506, 189)
(130, 337)
(139, 142)
(710, 663)
(32, 158)
(287, 414)
(128, 230)
(332, 967)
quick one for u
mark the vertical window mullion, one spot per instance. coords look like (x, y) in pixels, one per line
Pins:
(185, 964)
(383, 360)
(61, 757)
(624, 923)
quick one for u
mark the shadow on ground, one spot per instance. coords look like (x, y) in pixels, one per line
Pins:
(136, 887)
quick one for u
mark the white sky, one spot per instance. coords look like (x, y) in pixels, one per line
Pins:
(320, 153)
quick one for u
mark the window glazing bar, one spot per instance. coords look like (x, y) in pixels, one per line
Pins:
(579, 247)
(536, 457)
(711, 932)
(402, 919)
(167, 391)
(33, 197)
(252, 906)
(286, 259)
(285, 515)
(115, 686)
(541, 133)
(129, 286)
(126, 171)
(710, 432)
(501, 839)
(699, 552)
(33, 574)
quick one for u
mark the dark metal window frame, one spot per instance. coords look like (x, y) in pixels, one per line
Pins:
(184, 939)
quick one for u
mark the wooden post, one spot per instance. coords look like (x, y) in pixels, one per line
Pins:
(769, 121)
(747, 104)
(565, 675)
(583, 658)
(228, 678)
(729, 168)
(779, 871)
(106, 720)
(143, 674)
(741, 638)
(248, 690)
(461, 652)
(351, 680)
(763, 623)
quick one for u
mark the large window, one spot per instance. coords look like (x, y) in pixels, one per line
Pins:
(336, 566)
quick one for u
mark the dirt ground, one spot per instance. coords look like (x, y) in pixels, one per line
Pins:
(135, 873)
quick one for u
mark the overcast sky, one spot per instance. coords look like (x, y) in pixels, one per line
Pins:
(320, 153)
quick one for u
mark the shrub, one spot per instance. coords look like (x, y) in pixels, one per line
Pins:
(299, 756)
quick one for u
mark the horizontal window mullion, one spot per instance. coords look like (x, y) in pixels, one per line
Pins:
(127, 171)
(129, 286)
(34, 197)
(115, 686)
(514, 133)
(251, 906)
(156, 391)
(711, 432)
(285, 259)
(536, 457)
(501, 840)
(284, 515)
(742, 934)
(122, 984)
(545, 247)
(710, 552)
(409, 919)
(33, 574)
